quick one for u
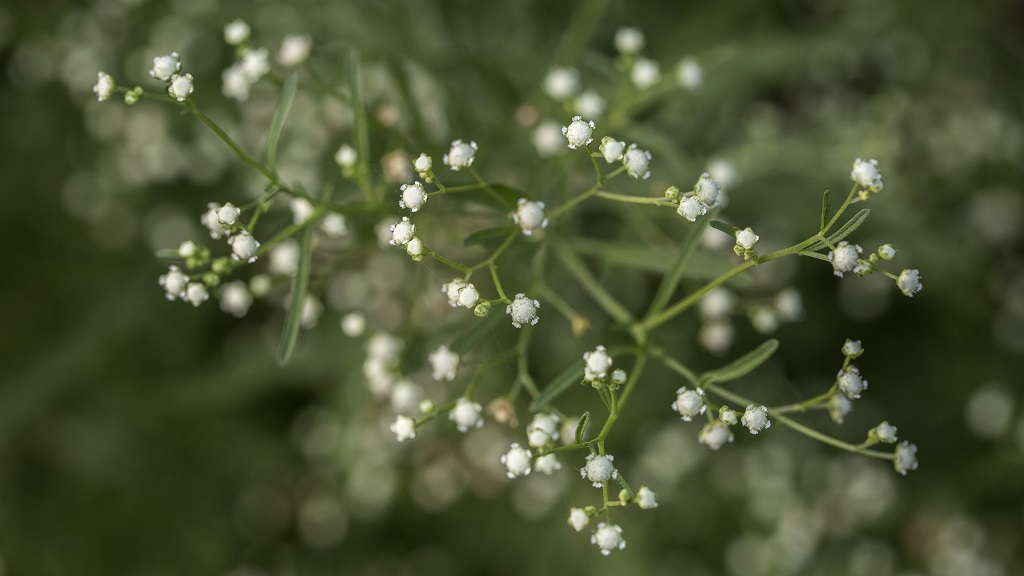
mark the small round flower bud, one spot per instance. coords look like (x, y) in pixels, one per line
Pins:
(503, 412)
(211, 220)
(852, 348)
(612, 149)
(715, 434)
(353, 324)
(672, 194)
(645, 74)
(196, 293)
(637, 162)
(905, 457)
(838, 407)
(624, 497)
(529, 216)
(235, 298)
(404, 428)
(589, 104)
(645, 498)
(547, 464)
(789, 305)
(413, 196)
(562, 83)
(422, 163)
(236, 32)
(244, 247)
(104, 86)
(294, 50)
(596, 364)
(608, 537)
(402, 232)
(180, 87)
(728, 415)
(844, 258)
(174, 283)
(689, 403)
(451, 290)
(579, 132)
(415, 249)
(460, 155)
(468, 296)
(542, 429)
(865, 173)
(884, 432)
(187, 249)
(523, 311)
(618, 377)
(690, 208)
(228, 214)
(444, 363)
(426, 406)
(886, 251)
(346, 156)
(689, 74)
(132, 96)
(851, 383)
(482, 309)
(165, 66)
(629, 40)
(755, 418)
(334, 226)
(707, 190)
(466, 415)
(518, 461)
(909, 282)
(746, 238)
(578, 519)
(599, 469)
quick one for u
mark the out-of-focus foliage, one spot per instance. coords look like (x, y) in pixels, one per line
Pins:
(143, 437)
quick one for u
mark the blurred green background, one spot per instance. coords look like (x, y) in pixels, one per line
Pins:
(144, 437)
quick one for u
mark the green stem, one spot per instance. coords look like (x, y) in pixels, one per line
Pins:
(445, 261)
(574, 202)
(604, 299)
(635, 199)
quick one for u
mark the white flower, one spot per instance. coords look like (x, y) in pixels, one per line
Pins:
(466, 415)
(844, 257)
(243, 247)
(523, 310)
(174, 283)
(905, 457)
(235, 298)
(228, 214)
(578, 519)
(518, 461)
(451, 290)
(637, 162)
(311, 311)
(187, 249)
(402, 232)
(302, 210)
(716, 337)
(618, 377)
(689, 74)
(884, 432)
(413, 196)
(608, 537)
(235, 83)
(589, 104)
(284, 258)
(613, 150)
(755, 418)
(444, 363)
(865, 173)
(542, 429)
(851, 383)
(561, 83)
(180, 87)
(886, 252)
(715, 434)
(529, 216)
(547, 464)
(346, 156)
(689, 403)
(719, 302)
(404, 428)
(422, 163)
(165, 66)
(645, 73)
(596, 364)
(385, 346)
(690, 208)
(294, 50)
(260, 285)
(789, 305)
(196, 293)
(104, 86)
(599, 469)
(645, 498)
(746, 238)
(764, 319)
(334, 226)
(236, 32)
(255, 64)
(728, 415)
(547, 139)
(579, 132)
(353, 324)
(909, 282)
(468, 296)
(707, 190)
(460, 155)
(629, 40)
(414, 247)
(852, 348)
(838, 407)
(405, 396)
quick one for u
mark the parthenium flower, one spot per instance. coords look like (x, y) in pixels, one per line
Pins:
(689, 74)
(590, 104)
(715, 434)
(196, 293)
(578, 519)
(346, 156)
(236, 32)
(518, 461)
(690, 208)
(689, 403)
(451, 290)
(637, 162)
(579, 132)
(599, 469)
(613, 150)
(180, 87)
(404, 428)
(755, 418)
(444, 363)
(460, 155)
(104, 86)
(466, 415)
(561, 83)
(523, 311)
(905, 457)
(294, 50)
(530, 216)
(235, 298)
(707, 190)
(645, 498)
(844, 257)
(596, 364)
(423, 164)
(542, 429)
(413, 196)
(645, 73)
(851, 383)
(228, 214)
(244, 247)
(608, 537)
(884, 432)
(165, 66)
(909, 282)
(746, 239)
(629, 40)
(402, 232)
(865, 173)
(547, 464)
(174, 283)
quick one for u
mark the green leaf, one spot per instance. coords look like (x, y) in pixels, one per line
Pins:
(742, 365)
(481, 328)
(563, 382)
(361, 130)
(719, 225)
(300, 287)
(481, 236)
(581, 427)
(845, 230)
(826, 203)
(284, 104)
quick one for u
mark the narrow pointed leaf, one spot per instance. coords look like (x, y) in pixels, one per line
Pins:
(300, 287)
(563, 382)
(845, 230)
(581, 427)
(284, 104)
(826, 203)
(719, 225)
(742, 365)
